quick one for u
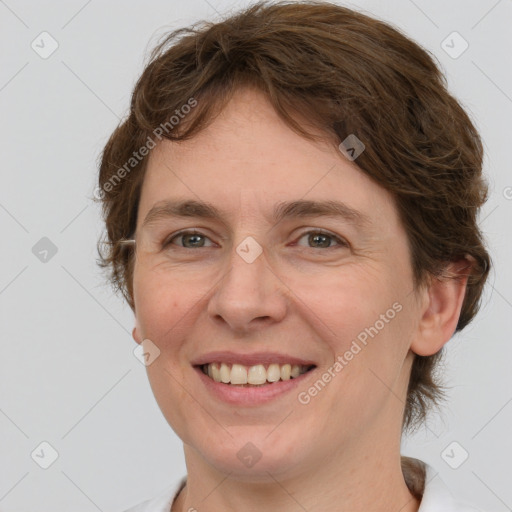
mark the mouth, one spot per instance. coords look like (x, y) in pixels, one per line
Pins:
(253, 376)
(251, 380)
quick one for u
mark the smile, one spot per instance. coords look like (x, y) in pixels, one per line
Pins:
(256, 375)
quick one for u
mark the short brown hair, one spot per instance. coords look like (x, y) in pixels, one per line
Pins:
(347, 73)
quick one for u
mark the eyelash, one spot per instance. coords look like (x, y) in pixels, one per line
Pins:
(339, 240)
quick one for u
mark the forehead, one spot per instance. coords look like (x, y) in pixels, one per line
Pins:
(248, 161)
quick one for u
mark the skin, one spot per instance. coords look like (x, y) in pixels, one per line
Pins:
(341, 451)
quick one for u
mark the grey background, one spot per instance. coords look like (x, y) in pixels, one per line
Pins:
(68, 375)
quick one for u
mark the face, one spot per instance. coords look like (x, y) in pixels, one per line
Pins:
(261, 284)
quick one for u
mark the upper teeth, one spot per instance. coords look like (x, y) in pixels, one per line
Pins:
(258, 374)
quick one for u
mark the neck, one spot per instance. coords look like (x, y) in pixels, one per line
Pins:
(372, 483)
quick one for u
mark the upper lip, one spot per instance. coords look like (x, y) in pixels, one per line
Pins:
(253, 359)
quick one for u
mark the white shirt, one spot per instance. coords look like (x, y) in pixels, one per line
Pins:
(436, 497)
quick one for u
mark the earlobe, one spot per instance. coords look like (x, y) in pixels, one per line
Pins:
(440, 315)
(135, 335)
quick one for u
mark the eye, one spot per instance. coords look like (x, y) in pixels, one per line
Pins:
(322, 239)
(195, 238)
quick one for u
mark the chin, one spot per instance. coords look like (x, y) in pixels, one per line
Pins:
(252, 455)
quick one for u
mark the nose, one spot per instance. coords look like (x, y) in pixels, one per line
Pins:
(249, 296)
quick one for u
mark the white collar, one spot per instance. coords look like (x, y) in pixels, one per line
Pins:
(437, 497)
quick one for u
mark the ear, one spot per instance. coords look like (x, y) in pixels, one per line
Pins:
(442, 302)
(135, 333)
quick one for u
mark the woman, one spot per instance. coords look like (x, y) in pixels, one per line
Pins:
(291, 214)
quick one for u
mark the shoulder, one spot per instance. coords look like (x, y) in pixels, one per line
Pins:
(438, 498)
(163, 501)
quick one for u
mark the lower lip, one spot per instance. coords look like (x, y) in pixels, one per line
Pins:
(248, 396)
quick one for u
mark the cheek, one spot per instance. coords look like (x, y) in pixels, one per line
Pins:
(344, 302)
(372, 356)
(164, 314)
(174, 402)
(161, 305)
(367, 323)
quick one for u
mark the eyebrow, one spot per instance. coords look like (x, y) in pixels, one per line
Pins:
(283, 210)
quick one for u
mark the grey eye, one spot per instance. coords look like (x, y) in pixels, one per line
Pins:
(322, 240)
